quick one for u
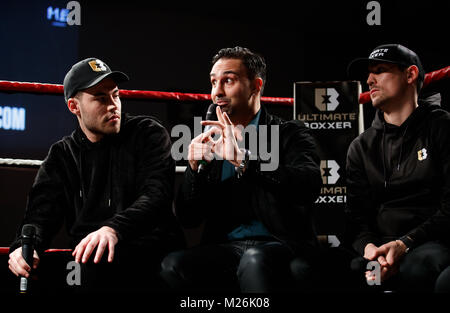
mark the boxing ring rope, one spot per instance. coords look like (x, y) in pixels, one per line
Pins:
(57, 89)
(44, 88)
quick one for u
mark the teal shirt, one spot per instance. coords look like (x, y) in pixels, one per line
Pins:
(255, 228)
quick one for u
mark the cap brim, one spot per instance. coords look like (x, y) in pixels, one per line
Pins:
(359, 68)
(118, 77)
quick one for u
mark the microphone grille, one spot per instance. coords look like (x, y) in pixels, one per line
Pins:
(28, 230)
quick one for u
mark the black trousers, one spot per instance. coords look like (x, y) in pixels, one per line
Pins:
(328, 270)
(421, 267)
(258, 266)
(443, 281)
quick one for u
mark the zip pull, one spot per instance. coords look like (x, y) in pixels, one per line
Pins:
(385, 184)
(109, 202)
(81, 194)
(398, 167)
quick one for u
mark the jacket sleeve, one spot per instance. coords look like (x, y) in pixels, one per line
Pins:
(293, 169)
(155, 176)
(46, 201)
(437, 226)
(193, 198)
(360, 212)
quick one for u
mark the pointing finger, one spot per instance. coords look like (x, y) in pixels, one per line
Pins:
(219, 115)
(227, 119)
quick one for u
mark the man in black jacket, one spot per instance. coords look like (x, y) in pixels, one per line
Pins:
(110, 181)
(398, 175)
(256, 211)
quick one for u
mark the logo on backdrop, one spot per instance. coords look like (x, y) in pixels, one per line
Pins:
(329, 170)
(325, 99)
(331, 194)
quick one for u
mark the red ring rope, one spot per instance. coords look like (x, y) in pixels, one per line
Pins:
(128, 94)
(430, 78)
(5, 250)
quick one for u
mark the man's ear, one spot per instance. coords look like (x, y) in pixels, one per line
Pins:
(257, 84)
(73, 104)
(412, 73)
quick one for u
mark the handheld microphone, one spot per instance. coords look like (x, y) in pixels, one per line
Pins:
(210, 115)
(28, 236)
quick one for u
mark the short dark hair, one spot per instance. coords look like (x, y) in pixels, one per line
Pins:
(255, 63)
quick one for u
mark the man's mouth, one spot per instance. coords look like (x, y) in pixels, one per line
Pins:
(222, 102)
(114, 118)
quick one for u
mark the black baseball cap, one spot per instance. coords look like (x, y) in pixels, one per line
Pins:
(389, 53)
(87, 73)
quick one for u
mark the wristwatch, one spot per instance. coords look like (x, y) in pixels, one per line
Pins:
(244, 163)
(407, 241)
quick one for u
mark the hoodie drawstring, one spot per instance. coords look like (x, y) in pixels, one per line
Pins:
(401, 148)
(384, 152)
(83, 193)
(384, 155)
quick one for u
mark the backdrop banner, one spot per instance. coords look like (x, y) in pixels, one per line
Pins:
(331, 111)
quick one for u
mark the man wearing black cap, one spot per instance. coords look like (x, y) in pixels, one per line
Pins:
(111, 181)
(398, 175)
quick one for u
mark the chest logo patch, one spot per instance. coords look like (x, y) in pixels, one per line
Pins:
(422, 154)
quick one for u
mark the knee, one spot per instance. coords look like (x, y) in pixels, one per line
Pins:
(443, 282)
(173, 262)
(253, 258)
(420, 271)
(420, 265)
(300, 268)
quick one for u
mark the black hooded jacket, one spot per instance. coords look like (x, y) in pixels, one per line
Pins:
(280, 199)
(398, 180)
(124, 181)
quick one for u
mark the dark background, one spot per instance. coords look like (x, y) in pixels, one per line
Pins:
(169, 48)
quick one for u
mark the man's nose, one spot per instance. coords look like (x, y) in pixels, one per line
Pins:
(217, 90)
(370, 79)
(113, 103)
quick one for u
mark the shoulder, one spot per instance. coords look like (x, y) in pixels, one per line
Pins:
(63, 146)
(140, 122)
(287, 126)
(439, 116)
(144, 132)
(439, 126)
(140, 126)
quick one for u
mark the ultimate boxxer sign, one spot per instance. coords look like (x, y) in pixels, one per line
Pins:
(330, 110)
